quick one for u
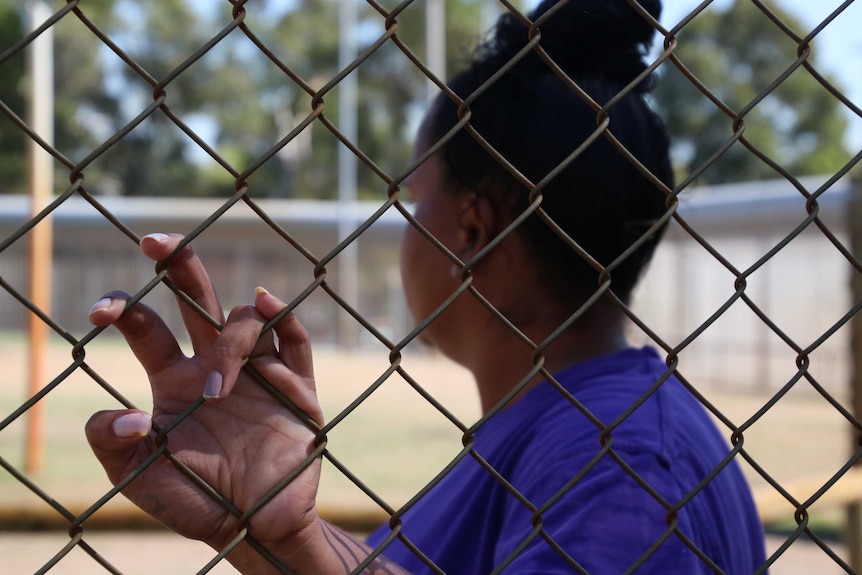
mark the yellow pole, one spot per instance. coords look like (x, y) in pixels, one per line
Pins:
(40, 168)
(853, 534)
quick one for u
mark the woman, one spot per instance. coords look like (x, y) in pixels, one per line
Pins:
(599, 463)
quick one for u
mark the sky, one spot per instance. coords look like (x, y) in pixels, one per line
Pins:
(837, 48)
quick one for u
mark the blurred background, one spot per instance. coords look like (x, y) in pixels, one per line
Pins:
(158, 128)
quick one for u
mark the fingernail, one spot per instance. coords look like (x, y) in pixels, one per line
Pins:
(132, 425)
(101, 305)
(157, 237)
(212, 387)
(259, 290)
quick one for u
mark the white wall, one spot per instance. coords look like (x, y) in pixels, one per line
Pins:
(804, 288)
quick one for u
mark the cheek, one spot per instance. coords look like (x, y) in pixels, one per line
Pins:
(408, 263)
(423, 273)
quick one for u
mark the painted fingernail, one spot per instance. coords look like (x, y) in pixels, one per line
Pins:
(157, 237)
(101, 305)
(212, 387)
(132, 425)
(259, 290)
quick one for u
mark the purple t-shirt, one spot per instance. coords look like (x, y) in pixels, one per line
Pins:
(606, 522)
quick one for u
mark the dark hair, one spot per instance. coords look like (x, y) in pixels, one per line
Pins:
(535, 120)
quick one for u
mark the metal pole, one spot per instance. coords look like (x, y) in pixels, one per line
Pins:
(491, 10)
(764, 333)
(854, 511)
(435, 42)
(348, 267)
(40, 176)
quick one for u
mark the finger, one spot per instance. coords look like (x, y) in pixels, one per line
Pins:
(116, 438)
(188, 273)
(148, 336)
(294, 345)
(239, 340)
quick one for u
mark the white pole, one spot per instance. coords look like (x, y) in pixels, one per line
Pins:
(41, 184)
(435, 42)
(491, 11)
(348, 268)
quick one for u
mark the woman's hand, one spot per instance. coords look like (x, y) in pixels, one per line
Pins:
(240, 440)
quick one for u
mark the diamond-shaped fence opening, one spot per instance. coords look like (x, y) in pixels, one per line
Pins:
(752, 299)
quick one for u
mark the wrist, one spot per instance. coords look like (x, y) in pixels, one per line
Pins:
(318, 549)
(303, 552)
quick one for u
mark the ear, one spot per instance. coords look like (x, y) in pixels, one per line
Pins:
(478, 223)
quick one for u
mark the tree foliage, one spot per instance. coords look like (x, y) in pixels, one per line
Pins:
(240, 102)
(737, 54)
(12, 140)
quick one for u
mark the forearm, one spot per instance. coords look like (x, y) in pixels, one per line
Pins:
(322, 549)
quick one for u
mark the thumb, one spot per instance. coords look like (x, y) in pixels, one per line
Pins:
(115, 438)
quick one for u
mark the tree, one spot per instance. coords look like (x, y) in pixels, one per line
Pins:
(390, 88)
(238, 100)
(13, 159)
(85, 113)
(155, 158)
(737, 54)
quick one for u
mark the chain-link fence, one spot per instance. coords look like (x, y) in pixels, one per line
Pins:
(313, 269)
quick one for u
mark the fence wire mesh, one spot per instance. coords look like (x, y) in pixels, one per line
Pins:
(235, 21)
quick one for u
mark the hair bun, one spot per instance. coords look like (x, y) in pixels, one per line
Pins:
(608, 38)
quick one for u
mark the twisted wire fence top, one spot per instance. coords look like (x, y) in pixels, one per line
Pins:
(243, 20)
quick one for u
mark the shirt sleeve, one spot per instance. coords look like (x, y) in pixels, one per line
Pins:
(605, 523)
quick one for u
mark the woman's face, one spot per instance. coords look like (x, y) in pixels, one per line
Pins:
(428, 276)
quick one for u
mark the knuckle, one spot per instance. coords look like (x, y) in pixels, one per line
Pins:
(134, 321)
(244, 311)
(297, 331)
(239, 336)
(183, 255)
(225, 351)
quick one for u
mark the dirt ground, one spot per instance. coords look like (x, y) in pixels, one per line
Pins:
(133, 554)
(801, 437)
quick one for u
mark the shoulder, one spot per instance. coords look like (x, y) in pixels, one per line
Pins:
(624, 407)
